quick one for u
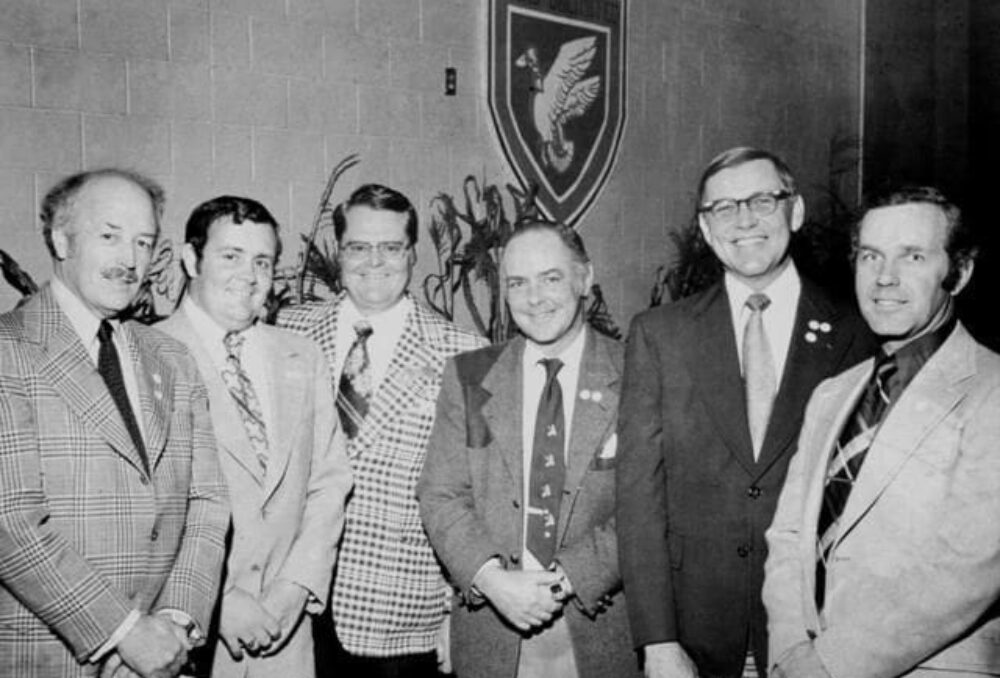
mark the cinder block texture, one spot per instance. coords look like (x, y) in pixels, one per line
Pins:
(264, 97)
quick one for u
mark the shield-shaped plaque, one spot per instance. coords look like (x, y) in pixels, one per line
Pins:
(557, 96)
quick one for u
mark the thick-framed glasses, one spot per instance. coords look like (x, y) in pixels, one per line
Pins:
(391, 250)
(761, 204)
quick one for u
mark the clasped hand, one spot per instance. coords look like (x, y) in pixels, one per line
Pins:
(523, 597)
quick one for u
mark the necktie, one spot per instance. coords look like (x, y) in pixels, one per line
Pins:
(548, 467)
(111, 372)
(242, 390)
(355, 388)
(845, 464)
(758, 371)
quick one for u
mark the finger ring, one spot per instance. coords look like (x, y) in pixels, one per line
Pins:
(556, 589)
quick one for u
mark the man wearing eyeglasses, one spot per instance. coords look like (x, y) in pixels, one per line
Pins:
(712, 401)
(386, 353)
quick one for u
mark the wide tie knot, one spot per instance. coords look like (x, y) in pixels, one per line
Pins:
(363, 328)
(758, 301)
(233, 341)
(552, 367)
(104, 332)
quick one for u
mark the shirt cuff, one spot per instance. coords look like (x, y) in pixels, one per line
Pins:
(131, 619)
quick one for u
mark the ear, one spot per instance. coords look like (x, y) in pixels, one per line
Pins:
(60, 243)
(964, 275)
(588, 279)
(189, 260)
(798, 213)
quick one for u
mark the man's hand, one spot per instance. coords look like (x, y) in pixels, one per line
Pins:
(244, 623)
(523, 597)
(151, 649)
(285, 601)
(668, 660)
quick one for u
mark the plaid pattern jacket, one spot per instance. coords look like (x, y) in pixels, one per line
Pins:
(85, 534)
(389, 596)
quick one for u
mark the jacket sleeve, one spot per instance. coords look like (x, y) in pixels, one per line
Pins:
(641, 502)
(313, 554)
(591, 565)
(448, 509)
(193, 583)
(38, 565)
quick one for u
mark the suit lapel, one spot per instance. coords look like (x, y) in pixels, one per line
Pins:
(935, 391)
(812, 355)
(155, 380)
(720, 383)
(289, 381)
(503, 409)
(230, 434)
(412, 373)
(67, 366)
(593, 418)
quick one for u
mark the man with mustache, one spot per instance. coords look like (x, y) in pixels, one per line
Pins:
(113, 509)
(271, 405)
(712, 400)
(885, 549)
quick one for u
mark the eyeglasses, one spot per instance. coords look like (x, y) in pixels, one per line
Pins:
(761, 204)
(392, 250)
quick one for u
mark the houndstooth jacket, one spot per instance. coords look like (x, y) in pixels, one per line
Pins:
(86, 534)
(389, 596)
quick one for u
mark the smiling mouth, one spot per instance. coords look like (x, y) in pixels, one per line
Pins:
(749, 240)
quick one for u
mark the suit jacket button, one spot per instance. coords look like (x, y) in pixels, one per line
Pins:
(743, 550)
(753, 492)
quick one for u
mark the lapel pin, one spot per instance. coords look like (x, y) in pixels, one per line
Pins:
(811, 337)
(584, 394)
(596, 396)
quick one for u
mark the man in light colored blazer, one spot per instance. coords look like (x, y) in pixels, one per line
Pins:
(289, 486)
(113, 511)
(389, 597)
(534, 557)
(885, 549)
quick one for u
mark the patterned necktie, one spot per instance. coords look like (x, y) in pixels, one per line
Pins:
(548, 467)
(758, 371)
(111, 372)
(845, 464)
(243, 393)
(355, 388)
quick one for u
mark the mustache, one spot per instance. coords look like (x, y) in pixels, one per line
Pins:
(123, 273)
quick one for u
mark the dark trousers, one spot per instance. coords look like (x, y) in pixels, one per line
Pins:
(333, 661)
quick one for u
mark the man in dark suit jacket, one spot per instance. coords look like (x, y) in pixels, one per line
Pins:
(712, 400)
(113, 509)
(518, 505)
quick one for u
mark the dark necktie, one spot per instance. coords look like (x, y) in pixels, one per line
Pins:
(845, 464)
(548, 467)
(758, 371)
(110, 370)
(355, 388)
(243, 392)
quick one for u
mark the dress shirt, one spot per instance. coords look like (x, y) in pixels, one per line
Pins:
(387, 328)
(778, 318)
(85, 324)
(534, 376)
(252, 356)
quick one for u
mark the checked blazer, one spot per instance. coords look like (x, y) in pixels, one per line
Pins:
(85, 534)
(389, 596)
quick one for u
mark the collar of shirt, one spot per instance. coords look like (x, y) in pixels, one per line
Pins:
(911, 357)
(779, 316)
(252, 358)
(387, 328)
(82, 319)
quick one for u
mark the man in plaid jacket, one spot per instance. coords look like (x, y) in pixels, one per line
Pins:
(389, 597)
(112, 506)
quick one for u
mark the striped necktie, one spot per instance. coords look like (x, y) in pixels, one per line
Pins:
(242, 390)
(355, 389)
(845, 464)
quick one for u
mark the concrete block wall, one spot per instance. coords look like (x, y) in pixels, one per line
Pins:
(264, 97)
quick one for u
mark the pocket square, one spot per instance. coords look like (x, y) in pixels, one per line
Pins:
(605, 459)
